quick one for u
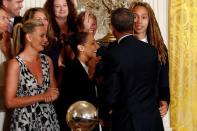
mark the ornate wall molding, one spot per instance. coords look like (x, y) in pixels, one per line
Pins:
(102, 9)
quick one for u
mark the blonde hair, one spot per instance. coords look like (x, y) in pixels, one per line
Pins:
(29, 14)
(153, 31)
(19, 32)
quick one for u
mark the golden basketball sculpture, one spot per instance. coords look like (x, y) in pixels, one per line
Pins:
(82, 116)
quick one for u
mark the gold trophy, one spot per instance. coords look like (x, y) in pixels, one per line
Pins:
(82, 116)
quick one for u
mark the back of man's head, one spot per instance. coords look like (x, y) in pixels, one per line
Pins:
(122, 20)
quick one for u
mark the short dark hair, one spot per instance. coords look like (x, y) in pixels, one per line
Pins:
(122, 20)
(76, 39)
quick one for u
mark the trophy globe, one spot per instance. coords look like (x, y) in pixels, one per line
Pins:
(82, 116)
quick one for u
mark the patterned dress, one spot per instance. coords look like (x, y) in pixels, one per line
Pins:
(39, 116)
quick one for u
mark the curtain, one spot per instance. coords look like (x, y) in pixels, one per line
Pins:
(183, 64)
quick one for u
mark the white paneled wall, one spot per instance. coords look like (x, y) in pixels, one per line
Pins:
(32, 3)
(160, 8)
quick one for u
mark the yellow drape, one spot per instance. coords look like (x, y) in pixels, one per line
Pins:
(183, 64)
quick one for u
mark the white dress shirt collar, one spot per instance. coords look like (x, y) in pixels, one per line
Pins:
(145, 39)
(11, 22)
(123, 37)
(84, 66)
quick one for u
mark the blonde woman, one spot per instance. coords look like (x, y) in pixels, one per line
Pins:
(33, 86)
(52, 49)
(39, 14)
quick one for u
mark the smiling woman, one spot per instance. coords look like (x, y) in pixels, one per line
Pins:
(75, 77)
(33, 85)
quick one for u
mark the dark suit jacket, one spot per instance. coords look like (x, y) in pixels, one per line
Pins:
(17, 20)
(163, 90)
(163, 81)
(75, 86)
(131, 86)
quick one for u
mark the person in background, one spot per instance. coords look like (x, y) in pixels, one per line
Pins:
(146, 29)
(87, 22)
(62, 14)
(5, 43)
(76, 85)
(40, 14)
(33, 86)
(5, 55)
(130, 79)
(12, 7)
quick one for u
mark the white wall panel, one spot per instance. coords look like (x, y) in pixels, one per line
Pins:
(160, 8)
(31, 3)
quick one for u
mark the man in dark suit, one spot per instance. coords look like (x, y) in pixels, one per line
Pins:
(76, 84)
(131, 79)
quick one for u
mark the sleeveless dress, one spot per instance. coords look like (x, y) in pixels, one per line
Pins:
(39, 116)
